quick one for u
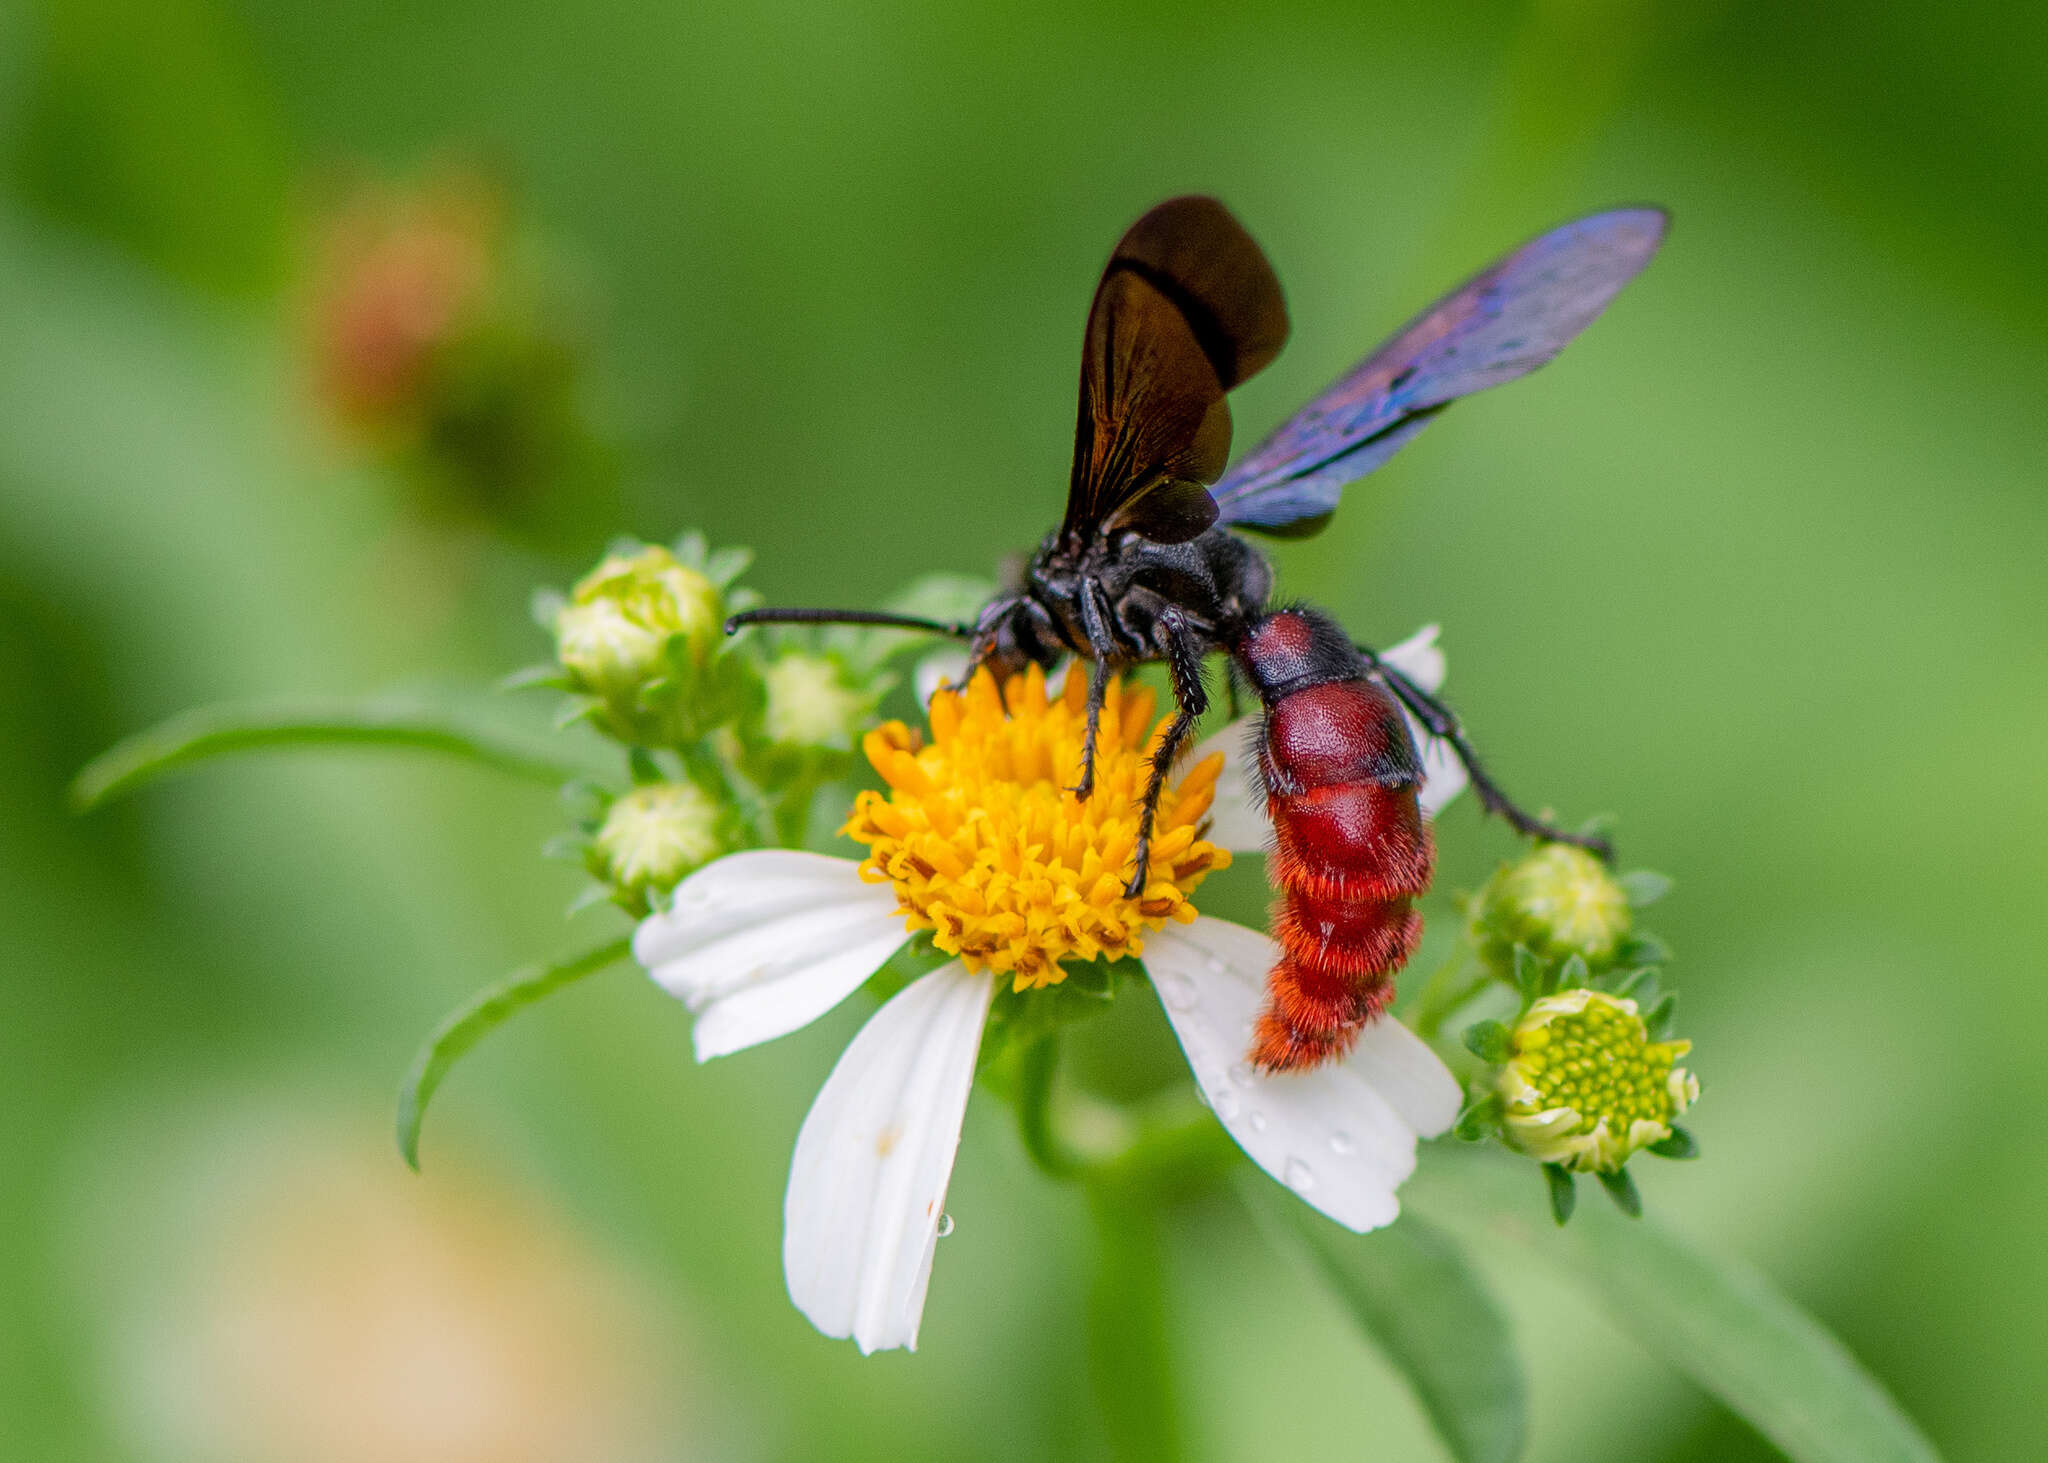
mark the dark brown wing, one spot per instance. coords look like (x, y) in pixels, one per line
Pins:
(1187, 308)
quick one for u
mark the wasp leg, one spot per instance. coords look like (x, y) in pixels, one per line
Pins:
(847, 617)
(1102, 653)
(1191, 699)
(1440, 721)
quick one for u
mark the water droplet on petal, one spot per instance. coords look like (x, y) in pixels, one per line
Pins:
(1202, 1095)
(946, 1224)
(1242, 1073)
(1343, 1143)
(1299, 1176)
(1177, 991)
(1215, 963)
(1257, 1121)
(1226, 1104)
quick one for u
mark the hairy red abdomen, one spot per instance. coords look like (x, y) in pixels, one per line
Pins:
(1351, 850)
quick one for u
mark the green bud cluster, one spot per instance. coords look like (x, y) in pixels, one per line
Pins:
(730, 737)
(1581, 1077)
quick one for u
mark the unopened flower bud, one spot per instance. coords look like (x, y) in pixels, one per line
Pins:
(613, 635)
(812, 703)
(652, 837)
(1558, 901)
(1584, 1087)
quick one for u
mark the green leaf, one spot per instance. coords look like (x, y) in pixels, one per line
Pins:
(219, 731)
(1659, 1019)
(1410, 1289)
(1572, 975)
(470, 1022)
(1644, 887)
(1712, 1317)
(1564, 1192)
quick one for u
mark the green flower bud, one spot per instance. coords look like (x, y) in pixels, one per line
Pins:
(811, 704)
(652, 837)
(612, 637)
(1558, 901)
(1584, 1087)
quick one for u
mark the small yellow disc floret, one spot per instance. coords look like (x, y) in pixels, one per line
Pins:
(991, 851)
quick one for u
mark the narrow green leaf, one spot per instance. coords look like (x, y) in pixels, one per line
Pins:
(1712, 1317)
(217, 731)
(1564, 1193)
(470, 1022)
(1411, 1291)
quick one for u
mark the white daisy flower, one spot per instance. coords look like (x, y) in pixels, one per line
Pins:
(979, 842)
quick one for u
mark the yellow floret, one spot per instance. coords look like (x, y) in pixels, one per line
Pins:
(989, 848)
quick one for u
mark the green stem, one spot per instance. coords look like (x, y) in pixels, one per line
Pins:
(1036, 1070)
(1443, 994)
(217, 731)
(1130, 1353)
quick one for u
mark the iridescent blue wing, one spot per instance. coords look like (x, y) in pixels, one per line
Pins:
(1500, 324)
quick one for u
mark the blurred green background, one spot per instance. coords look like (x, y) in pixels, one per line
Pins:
(1758, 565)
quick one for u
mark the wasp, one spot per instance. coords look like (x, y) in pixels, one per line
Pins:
(1149, 565)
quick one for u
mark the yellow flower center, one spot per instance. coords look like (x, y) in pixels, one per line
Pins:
(991, 851)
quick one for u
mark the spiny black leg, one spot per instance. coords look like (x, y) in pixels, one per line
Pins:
(1191, 697)
(1440, 721)
(1102, 649)
(847, 617)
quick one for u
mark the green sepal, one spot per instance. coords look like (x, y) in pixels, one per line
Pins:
(1662, 1016)
(1622, 1190)
(1681, 1144)
(1625, 982)
(476, 1018)
(1644, 887)
(1564, 1192)
(1478, 1119)
(640, 764)
(1642, 949)
(1570, 975)
(543, 674)
(1490, 1041)
(1528, 973)
(1019, 1019)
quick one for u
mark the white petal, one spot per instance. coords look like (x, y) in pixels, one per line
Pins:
(1342, 1136)
(867, 1184)
(940, 668)
(1418, 658)
(1237, 819)
(761, 943)
(1443, 775)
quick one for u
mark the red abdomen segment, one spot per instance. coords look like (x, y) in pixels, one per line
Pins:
(1351, 850)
